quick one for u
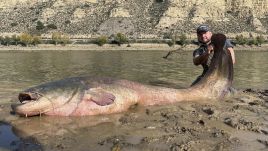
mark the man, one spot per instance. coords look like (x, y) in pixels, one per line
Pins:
(204, 53)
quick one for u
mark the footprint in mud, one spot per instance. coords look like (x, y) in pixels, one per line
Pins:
(264, 142)
(250, 141)
(242, 124)
(261, 94)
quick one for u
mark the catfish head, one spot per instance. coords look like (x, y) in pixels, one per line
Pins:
(76, 96)
(46, 97)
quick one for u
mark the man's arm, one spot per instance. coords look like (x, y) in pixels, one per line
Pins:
(230, 47)
(231, 50)
(203, 57)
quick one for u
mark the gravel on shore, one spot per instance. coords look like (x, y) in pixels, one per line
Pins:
(126, 47)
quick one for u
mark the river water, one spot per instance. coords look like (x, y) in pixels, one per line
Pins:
(20, 70)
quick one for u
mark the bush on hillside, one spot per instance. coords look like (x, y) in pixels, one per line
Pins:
(119, 39)
(241, 40)
(101, 40)
(15, 39)
(260, 40)
(14, 24)
(252, 41)
(39, 25)
(26, 39)
(60, 38)
(36, 40)
(182, 39)
(52, 26)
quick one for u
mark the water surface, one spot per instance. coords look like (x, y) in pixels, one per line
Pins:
(21, 70)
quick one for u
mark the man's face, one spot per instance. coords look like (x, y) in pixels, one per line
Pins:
(204, 37)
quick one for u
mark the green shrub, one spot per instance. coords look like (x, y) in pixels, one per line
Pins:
(120, 38)
(167, 36)
(86, 5)
(67, 22)
(7, 40)
(56, 37)
(39, 25)
(159, 1)
(36, 40)
(60, 38)
(252, 41)
(52, 26)
(170, 43)
(2, 40)
(26, 39)
(35, 19)
(15, 39)
(241, 40)
(101, 40)
(182, 39)
(65, 39)
(14, 24)
(260, 40)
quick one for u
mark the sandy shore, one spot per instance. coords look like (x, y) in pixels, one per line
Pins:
(106, 47)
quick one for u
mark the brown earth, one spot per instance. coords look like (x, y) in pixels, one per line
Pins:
(236, 123)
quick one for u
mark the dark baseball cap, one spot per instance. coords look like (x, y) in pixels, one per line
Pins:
(202, 28)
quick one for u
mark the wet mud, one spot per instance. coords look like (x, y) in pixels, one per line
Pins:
(237, 123)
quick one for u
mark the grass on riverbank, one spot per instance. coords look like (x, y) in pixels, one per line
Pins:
(119, 41)
(126, 47)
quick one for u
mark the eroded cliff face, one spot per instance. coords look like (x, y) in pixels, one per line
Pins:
(136, 18)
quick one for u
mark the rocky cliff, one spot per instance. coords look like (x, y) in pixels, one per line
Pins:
(136, 18)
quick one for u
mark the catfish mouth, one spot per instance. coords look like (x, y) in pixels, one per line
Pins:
(26, 107)
(26, 97)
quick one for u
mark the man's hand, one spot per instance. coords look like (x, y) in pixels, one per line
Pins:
(210, 48)
(204, 57)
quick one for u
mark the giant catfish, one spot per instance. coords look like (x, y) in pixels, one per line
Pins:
(80, 96)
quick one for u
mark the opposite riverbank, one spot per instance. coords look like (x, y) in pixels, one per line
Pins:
(113, 47)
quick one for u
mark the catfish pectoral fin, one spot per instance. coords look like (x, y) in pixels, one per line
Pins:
(101, 97)
(102, 101)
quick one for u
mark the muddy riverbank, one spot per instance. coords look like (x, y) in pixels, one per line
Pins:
(237, 123)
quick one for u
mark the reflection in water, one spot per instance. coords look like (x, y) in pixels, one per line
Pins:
(58, 133)
(9, 141)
